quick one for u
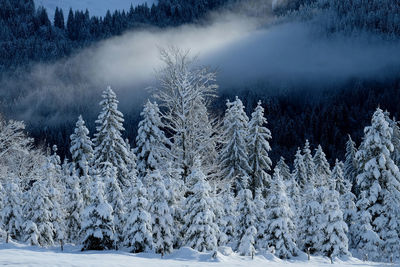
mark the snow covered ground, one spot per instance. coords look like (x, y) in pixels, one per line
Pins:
(21, 255)
(95, 7)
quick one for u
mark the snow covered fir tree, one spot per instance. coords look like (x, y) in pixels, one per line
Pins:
(199, 181)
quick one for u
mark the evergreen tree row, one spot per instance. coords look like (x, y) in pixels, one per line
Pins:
(194, 181)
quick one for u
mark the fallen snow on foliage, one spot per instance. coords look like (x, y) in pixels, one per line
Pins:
(21, 255)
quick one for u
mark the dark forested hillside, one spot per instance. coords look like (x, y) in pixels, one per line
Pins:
(27, 35)
(323, 115)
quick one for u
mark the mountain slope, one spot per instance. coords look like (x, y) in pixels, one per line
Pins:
(95, 7)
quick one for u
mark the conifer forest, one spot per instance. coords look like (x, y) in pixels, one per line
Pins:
(219, 132)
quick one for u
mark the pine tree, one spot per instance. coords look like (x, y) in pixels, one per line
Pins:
(350, 164)
(335, 243)
(261, 226)
(292, 187)
(114, 197)
(53, 176)
(74, 207)
(246, 222)
(12, 212)
(160, 212)
(174, 185)
(97, 226)
(258, 148)
(38, 226)
(322, 169)
(82, 155)
(279, 220)
(108, 143)
(379, 183)
(346, 199)
(201, 229)
(367, 241)
(308, 231)
(137, 230)
(308, 164)
(151, 150)
(228, 220)
(299, 171)
(234, 159)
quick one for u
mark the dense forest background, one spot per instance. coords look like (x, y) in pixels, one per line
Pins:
(323, 114)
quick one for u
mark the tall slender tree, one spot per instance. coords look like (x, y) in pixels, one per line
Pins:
(258, 148)
(109, 146)
(234, 157)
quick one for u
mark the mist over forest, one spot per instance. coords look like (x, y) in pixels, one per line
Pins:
(277, 55)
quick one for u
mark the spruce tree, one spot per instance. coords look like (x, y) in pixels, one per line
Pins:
(151, 151)
(246, 222)
(308, 230)
(350, 164)
(229, 220)
(299, 171)
(11, 213)
(137, 230)
(38, 226)
(74, 207)
(322, 170)
(234, 158)
(379, 183)
(308, 164)
(335, 243)
(292, 187)
(200, 228)
(109, 146)
(258, 148)
(279, 219)
(346, 199)
(97, 226)
(82, 155)
(114, 197)
(161, 219)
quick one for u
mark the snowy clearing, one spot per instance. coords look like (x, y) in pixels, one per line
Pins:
(22, 255)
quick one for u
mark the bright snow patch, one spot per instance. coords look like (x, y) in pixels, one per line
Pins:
(21, 255)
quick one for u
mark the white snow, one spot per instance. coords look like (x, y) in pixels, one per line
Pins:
(95, 7)
(20, 255)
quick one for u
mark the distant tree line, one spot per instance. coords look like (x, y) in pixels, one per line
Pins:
(27, 35)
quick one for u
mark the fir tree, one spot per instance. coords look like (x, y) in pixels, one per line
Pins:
(151, 150)
(108, 143)
(279, 219)
(12, 212)
(258, 148)
(201, 230)
(74, 207)
(228, 220)
(346, 199)
(322, 169)
(378, 181)
(160, 212)
(335, 243)
(82, 155)
(308, 164)
(309, 225)
(137, 230)
(97, 226)
(38, 226)
(246, 222)
(114, 197)
(299, 171)
(350, 164)
(234, 159)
